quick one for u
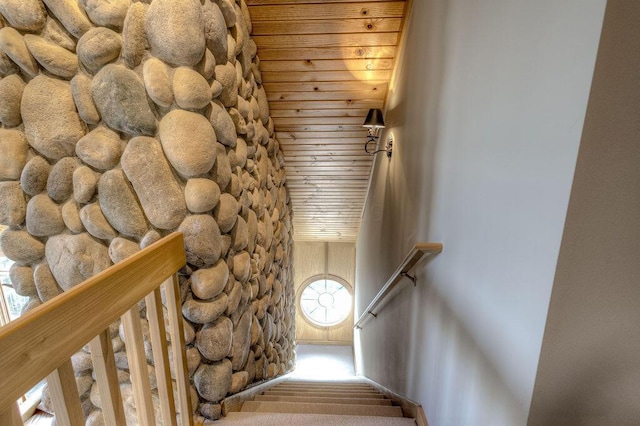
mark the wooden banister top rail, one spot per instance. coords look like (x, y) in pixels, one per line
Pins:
(38, 342)
(416, 253)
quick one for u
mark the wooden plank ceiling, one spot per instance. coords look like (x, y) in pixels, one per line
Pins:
(324, 63)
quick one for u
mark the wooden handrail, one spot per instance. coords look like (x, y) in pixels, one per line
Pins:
(410, 260)
(40, 343)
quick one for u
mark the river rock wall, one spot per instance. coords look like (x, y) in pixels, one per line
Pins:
(123, 121)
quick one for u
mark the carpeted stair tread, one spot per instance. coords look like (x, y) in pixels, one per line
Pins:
(316, 408)
(328, 394)
(290, 419)
(361, 401)
(314, 387)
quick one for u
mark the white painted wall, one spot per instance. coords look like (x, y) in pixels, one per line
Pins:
(487, 115)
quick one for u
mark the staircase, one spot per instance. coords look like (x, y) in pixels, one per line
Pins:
(309, 403)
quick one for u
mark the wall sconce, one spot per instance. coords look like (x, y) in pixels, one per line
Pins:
(374, 122)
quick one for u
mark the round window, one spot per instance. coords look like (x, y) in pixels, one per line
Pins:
(325, 302)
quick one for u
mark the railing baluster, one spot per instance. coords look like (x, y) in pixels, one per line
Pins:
(64, 396)
(104, 366)
(11, 416)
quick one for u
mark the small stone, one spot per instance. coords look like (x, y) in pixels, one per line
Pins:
(213, 380)
(241, 341)
(44, 217)
(74, 258)
(54, 32)
(189, 142)
(95, 223)
(109, 13)
(240, 235)
(81, 361)
(84, 184)
(7, 66)
(150, 238)
(157, 82)
(238, 381)
(160, 195)
(99, 46)
(211, 411)
(193, 360)
(51, 122)
(215, 31)
(239, 122)
(95, 418)
(121, 248)
(234, 298)
(60, 181)
(226, 212)
(190, 89)
(13, 45)
(201, 240)
(134, 37)
(241, 266)
(81, 91)
(226, 75)
(176, 32)
(32, 303)
(24, 15)
(200, 312)
(214, 340)
(110, 87)
(263, 103)
(11, 88)
(207, 283)
(207, 65)
(21, 278)
(222, 124)
(100, 148)
(241, 152)
(71, 217)
(229, 13)
(231, 47)
(55, 59)
(22, 248)
(13, 207)
(70, 15)
(201, 195)
(120, 205)
(216, 89)
(221, 171)
(45, 283)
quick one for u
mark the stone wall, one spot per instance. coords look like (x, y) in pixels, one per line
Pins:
(124, 121)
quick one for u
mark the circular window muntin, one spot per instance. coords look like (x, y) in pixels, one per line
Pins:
(322, 277)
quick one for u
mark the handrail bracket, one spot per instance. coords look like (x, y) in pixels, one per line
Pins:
(411, 277)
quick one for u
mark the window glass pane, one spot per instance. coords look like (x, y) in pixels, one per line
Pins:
(325, 302)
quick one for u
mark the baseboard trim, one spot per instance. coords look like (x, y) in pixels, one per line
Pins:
(234, 402)
(409, 408)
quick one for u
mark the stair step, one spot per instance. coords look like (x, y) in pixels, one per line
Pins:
(343, 390)
(326, 394)
(314, 387)
(289, 419)
(316, 408)
(360, 401)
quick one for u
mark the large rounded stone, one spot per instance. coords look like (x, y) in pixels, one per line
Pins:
(241, 266)
(226, 212)
(84, 184)
(240, 235)
(157, 82)
(14, 149)
(176, 32)
(241, 341)
(34, 175)
(95, 223)
(226, 75)
(51, 122)
(45, 283)
(71, 217)
(60, 182)
(24, 15)
(21, 278)
(55, 59)
(215, 31)
(100, 148)
(214, 340)
(210, 411)
(70, 15)
(81, 91)
(98, 47)
(56, 33)
(235, 296)
(201, 195)
(263, 103)
(11, 88)
(43, 217)
(190, 89)
(121, 99)
(207, 65)
(109, 13)
(213, 380)
(134, 38)
(226, 7)
(121, 248)
(201, 312)
(209, 282)
(221, 171)
(120, 205)
(21, 247)
(238, 381)
(222, 124)
(160, 195)
(12, 44)
(74, 258)
(13, 207)
(201, 240)
(189, 142)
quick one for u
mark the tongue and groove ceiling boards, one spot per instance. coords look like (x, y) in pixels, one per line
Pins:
(324, 63)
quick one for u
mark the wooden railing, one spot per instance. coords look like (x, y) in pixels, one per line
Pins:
(410, 260)
(40, 343)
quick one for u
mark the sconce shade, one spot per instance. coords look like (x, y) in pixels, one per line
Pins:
(374, 119)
